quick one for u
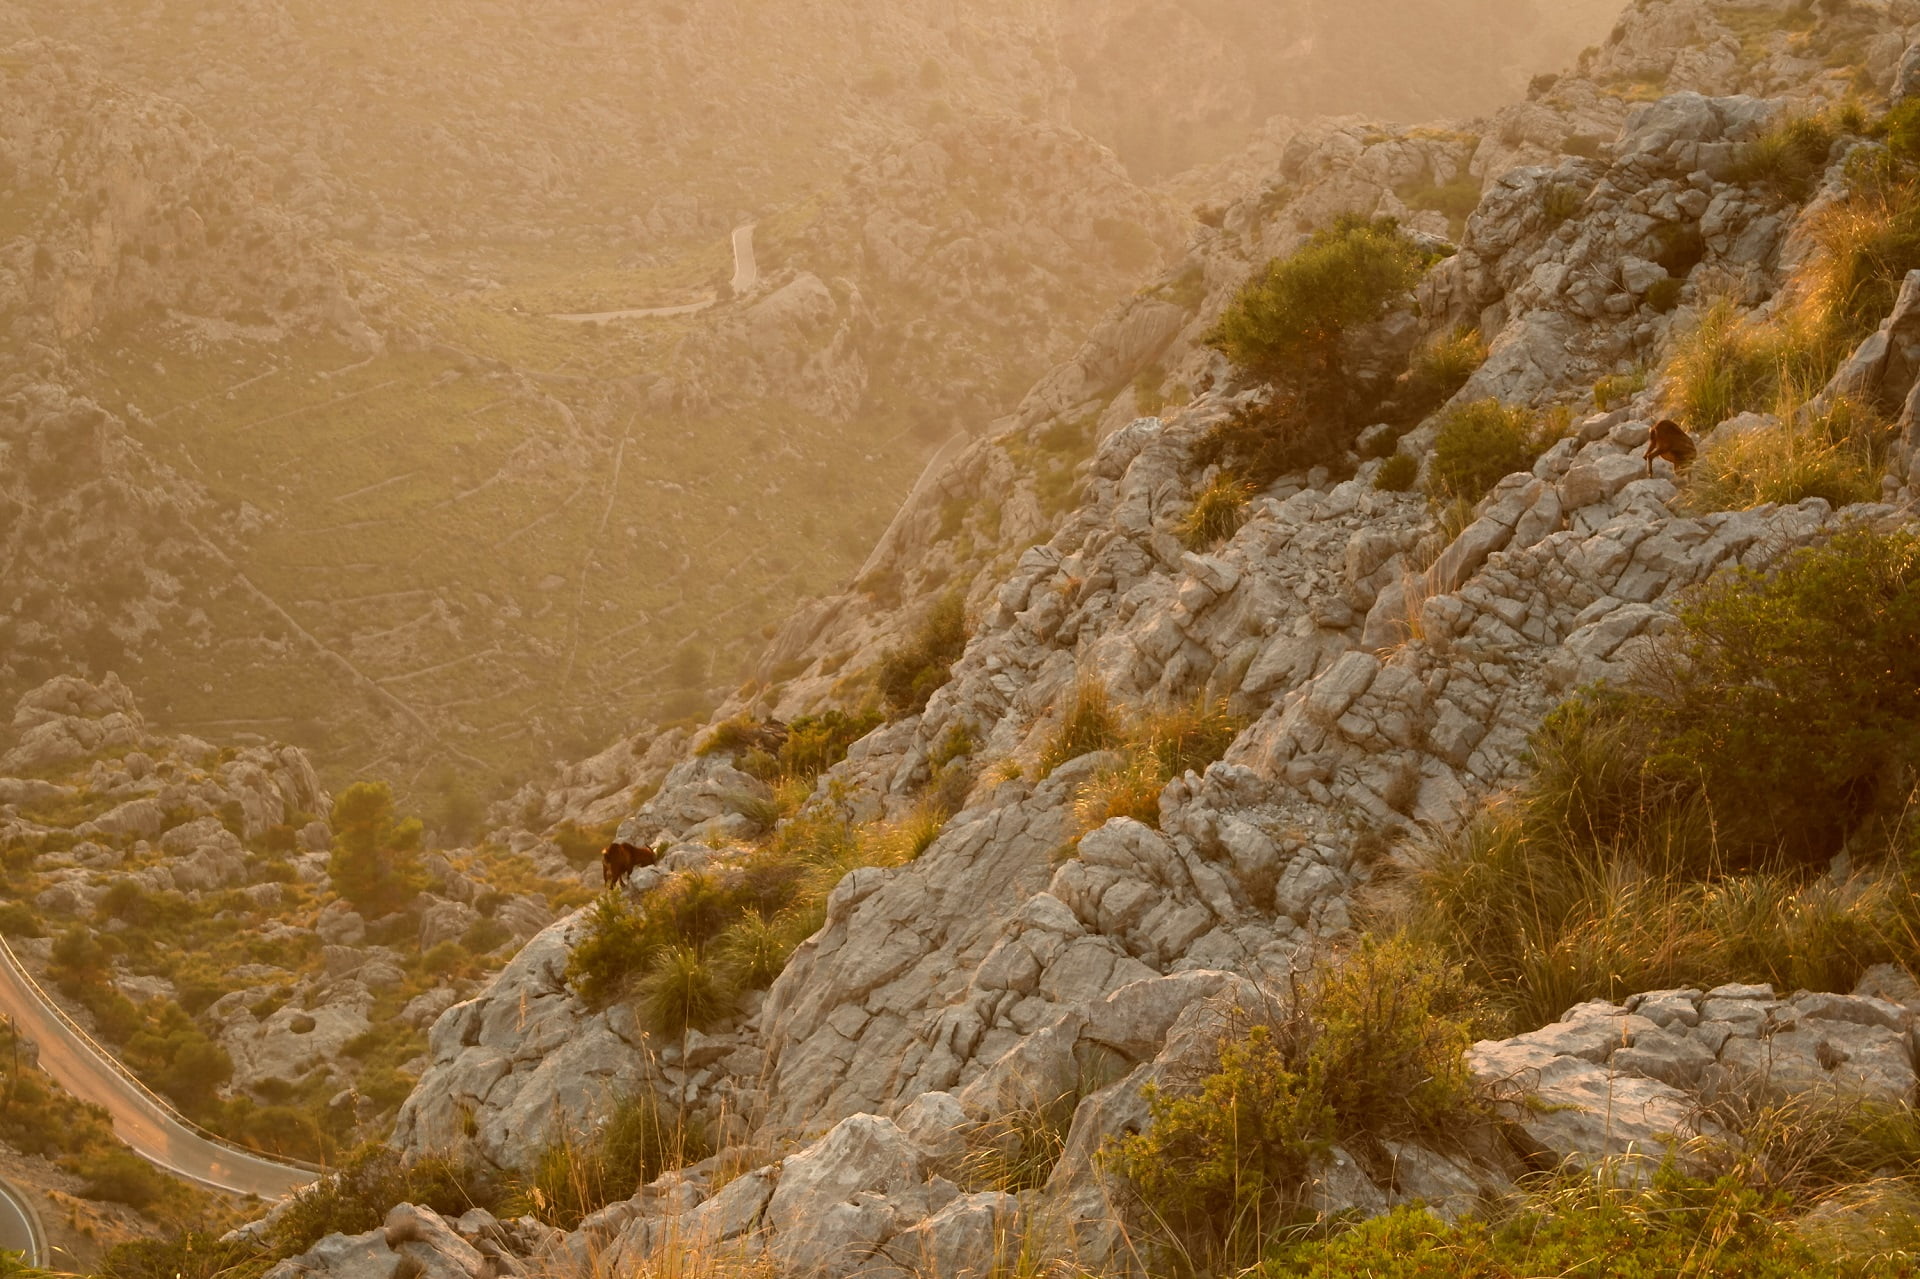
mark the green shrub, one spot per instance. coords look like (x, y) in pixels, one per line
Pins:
(1664, 295)
(640, 1140)
(1788, 159)
(122, 1177)
(1723, 367)
(683, 992)
(754, 950)
(1579, 1228)
(581, 845)
(1263, 441)
(1293, 317)
(1217, 513)
(1868, 243)
(18, 920)
(816, 743)
(1222, 1168)
(1156, 748)
(191, 1255)
(1397, 474)
(1440, 368)
(1371, 1048)
(376, 858)
(1477, 446)
(1129, 789)
(1799, 708)
(1616, 389)
(1456, 199)
(1560, 203)
(908, 676)
(1838, 456)
(357, 1196)
(615, 947)
(485, 936)
(1392, 1027)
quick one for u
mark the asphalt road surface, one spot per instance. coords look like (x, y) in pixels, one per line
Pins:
(746, 274)
(20, 1229)
(139, 1120)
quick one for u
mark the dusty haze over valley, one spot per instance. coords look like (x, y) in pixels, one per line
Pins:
(310, 461)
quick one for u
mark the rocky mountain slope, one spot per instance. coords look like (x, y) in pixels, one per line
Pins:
(1383, 666)
(1080, 779)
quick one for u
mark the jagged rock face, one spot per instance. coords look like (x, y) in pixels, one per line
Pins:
(1568, 297)
(121, 202)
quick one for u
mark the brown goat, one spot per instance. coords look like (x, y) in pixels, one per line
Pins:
(617, 861)
(1668, 440)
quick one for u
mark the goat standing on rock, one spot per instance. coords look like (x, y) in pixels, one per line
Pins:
(1668, 440)
(618, 860)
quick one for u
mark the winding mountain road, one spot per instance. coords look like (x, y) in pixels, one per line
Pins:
(20, 1227)
(746, 274)
(140, 1118)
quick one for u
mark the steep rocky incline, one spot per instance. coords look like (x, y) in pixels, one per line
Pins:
(1389, 668)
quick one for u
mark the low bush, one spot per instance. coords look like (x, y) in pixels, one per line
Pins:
(1281, 435)
(1788, 159)
(1292, 317)
(1456, 200)
(191, 1255)
(18, 920)
(700, 937)
(1090, 724)
(1721, 367)
(1559, 204)
(357, 1196)
(1155, 749)
(683, 991)
(1130, 790)
(581, 845)
(1439, 369)
(121, 1176)
(616, 946)
(1616, 389)
(1398, 474)
(1017, 1150)
(1838, 456)
(1664, 295)
(1579, 1228)
(1477, 446)
(573, 1176)
(1217, 512)
(1368, 1049)
(908, 676)
(816, 743)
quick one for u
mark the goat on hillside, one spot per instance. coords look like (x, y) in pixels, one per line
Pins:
(1668, 440)
(618, 860)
